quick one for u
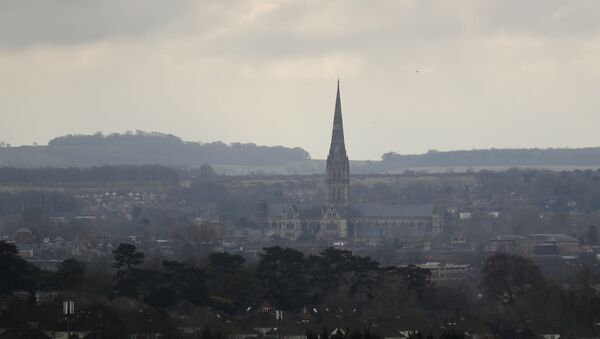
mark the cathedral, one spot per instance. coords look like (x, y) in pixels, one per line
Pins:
(338, 219)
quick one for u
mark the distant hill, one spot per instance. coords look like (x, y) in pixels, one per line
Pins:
(141, 148)
(492, 158)
(144, 148)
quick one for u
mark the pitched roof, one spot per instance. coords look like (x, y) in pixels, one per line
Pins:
(306, 209)
(552, 237)
(356, 210)
(508, 237)
(391, 210)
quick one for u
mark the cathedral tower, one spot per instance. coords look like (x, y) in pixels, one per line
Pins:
(338, 168)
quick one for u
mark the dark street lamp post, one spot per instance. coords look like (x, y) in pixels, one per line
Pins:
(278, 317)
(68, 311)
(519, 330)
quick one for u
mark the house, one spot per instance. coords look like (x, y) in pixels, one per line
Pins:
(266, 307)
(65, 334)
(562, 241)
(43, 297)
(551, 336)
(389, 333)
(237, 331)
(306, 316)
(23, 235)
(26, 251)
(479, 335)
(465, 215)
(447, 272)
(397, 327)
(190, 319)
(507, 243)
(261, 322)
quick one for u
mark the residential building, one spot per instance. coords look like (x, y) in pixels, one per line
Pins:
(447, 272)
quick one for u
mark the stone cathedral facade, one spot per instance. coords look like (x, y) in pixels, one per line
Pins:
(338, 219)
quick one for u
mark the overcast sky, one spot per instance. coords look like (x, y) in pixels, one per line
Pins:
(415, 75)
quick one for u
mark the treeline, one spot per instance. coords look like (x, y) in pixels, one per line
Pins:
(145, 148)
(285, 276)
(224, 283)
(49, 203)
(497, 157)
(100, 175)
(19, 275)
(513, 299)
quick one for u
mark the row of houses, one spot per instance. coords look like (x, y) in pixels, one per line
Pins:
(264, 321)
(536, 244)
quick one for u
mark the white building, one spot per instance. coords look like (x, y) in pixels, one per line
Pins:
(447, 272)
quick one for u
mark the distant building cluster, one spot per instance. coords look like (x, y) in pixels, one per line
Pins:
(120, 203)
(535, 244)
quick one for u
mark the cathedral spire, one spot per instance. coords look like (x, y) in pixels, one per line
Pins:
(338, 168)
(337, 135)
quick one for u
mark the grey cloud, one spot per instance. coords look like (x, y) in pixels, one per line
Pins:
(287, 29)
(541, 17)
(307, 28)
(317, 28)
(27, 22)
